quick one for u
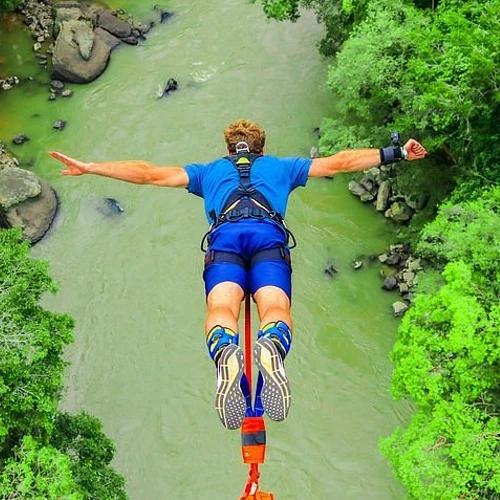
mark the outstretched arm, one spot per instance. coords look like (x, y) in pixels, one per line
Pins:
(136, 171)
(359, 159)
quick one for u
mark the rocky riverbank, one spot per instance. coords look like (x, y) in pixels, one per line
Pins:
(26, 200)
(73, 41)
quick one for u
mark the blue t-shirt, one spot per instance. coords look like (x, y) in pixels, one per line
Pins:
(274, 177)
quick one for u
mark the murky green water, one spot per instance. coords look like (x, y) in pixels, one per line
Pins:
(133, 282)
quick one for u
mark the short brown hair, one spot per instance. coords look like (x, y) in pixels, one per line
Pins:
(247, 131)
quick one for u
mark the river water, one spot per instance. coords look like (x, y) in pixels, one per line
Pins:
(132, 281)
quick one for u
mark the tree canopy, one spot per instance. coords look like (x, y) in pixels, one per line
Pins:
(44, 453)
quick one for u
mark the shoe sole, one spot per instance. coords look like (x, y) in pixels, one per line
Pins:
(275, 395)
(230, 402)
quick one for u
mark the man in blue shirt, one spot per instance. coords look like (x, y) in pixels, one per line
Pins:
(247, 247)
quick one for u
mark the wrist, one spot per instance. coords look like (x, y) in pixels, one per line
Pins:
(88, 168)
(392, 154)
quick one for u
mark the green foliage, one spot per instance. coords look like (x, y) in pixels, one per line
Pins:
(447, 360)
(31, 344)
(8, 5)
(281, 10)
(38, 472)
(81, 438)
(429, 74)
(451, 454)
(446, 343)
(468, 231)
(44, 454)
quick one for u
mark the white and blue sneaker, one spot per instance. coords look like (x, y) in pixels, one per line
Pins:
(272, 345)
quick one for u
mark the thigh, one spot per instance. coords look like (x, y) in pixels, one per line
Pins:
(273, 273)
(221, 272)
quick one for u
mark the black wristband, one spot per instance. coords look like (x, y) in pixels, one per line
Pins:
(391, 155)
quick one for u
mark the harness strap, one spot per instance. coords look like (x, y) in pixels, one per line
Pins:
(278, 253)
(245, 201)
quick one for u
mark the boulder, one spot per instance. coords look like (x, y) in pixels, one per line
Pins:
(114, 25)
(358, 190)
(110, 40)
(79, 56)
(384, 191)
(390, 283)
(399, 308)
(66, 11)
(400, 211)
(35, 215)
(17, 185)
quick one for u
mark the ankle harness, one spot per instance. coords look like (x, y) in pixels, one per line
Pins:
(280, 334)
(218, 337)
(245, 201)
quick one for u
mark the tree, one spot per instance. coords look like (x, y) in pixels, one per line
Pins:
(80, 437)
(37, 472)
(43, 453)
(7, 5)
(31, 345)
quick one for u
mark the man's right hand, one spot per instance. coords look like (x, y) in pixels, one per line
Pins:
(75, 167)
(414, 150)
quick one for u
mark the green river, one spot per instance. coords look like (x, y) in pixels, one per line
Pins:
(133, 281)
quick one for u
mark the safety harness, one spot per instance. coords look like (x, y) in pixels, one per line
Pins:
(243, 203)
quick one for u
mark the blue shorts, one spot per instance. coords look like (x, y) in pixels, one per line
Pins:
(246, 238)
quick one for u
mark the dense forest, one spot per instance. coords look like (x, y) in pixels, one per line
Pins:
(429, 69)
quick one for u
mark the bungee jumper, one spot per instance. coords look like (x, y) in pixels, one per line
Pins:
(247, 251)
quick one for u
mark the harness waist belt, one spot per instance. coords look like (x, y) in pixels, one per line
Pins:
(278, 253)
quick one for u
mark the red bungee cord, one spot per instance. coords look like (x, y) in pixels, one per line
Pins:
(253, 430)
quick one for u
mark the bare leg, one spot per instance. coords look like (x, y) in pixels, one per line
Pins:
(223, 306)
(273, 304)
(221, 324)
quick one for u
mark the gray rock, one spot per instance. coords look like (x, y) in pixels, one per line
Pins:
(409, 277)
(374, 173)
(110, 40)
(59, 124)
(114, 25)
(383, 193)
(393, 259)
(390, 283)
(399, 308)
(413, 264)
(83, 35)
(368, 184)
(400, 211)
(57, 85)
(17, 185)
(20, 139)
(358, 190)
(6, 161)
(383, 257)
(66, 11)
(34, 215)
(68, 63)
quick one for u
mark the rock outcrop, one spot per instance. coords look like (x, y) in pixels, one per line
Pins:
(26, 200)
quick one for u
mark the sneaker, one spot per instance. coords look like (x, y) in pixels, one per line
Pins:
(275, 393)
(230, 401)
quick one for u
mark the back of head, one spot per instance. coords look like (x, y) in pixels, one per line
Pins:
(245, 131)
